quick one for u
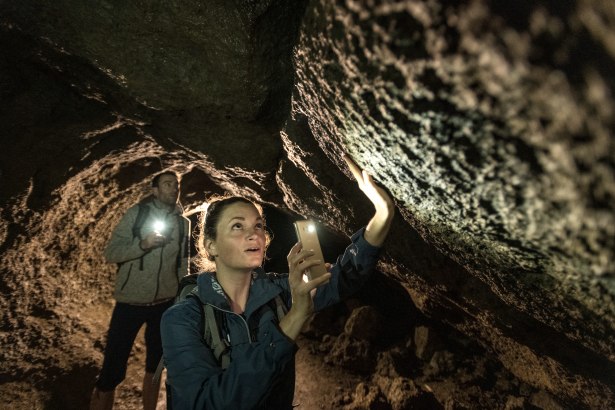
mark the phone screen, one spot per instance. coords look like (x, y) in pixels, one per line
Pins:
(307, 235)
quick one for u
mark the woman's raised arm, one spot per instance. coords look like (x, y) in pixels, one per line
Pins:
(378, 227)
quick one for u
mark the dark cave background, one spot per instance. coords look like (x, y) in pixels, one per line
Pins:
(491, 124)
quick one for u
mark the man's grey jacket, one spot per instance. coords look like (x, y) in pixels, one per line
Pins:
(153, 275)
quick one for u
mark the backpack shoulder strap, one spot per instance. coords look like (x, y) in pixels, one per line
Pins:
(183, 241)
(141, 217)
(158, 372)
(210, 322)
(211, 335)
(136, 227)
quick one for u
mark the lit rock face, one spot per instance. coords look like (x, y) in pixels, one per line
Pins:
(493, 128)
(491, 125)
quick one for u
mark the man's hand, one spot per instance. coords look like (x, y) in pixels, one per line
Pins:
(152, 240)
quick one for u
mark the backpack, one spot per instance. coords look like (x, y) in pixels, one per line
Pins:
(211, 323)
(142, 215)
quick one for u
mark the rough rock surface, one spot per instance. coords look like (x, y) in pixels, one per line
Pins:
(490, 122)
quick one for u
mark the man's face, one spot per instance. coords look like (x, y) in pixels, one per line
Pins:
(167, 190)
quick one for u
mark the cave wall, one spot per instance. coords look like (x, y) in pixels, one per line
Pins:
(490, 124)
(487, 124)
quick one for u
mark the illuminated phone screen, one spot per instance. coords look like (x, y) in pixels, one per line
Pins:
(307, 235)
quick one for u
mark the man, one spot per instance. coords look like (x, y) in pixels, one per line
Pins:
(150, 244)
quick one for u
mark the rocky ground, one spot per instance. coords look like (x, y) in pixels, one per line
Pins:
(353, 356)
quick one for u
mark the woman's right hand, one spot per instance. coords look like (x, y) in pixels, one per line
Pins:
(302, 292)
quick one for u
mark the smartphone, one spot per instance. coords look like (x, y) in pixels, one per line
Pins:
(307, 235)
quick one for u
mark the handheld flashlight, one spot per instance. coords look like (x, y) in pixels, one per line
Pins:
(159, 226)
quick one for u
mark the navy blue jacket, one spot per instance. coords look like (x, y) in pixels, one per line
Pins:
(261, 374)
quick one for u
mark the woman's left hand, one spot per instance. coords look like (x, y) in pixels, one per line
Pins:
(378, 196)
(378, 227)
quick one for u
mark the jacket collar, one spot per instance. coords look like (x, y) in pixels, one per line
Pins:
(262, 290)
(159, 205)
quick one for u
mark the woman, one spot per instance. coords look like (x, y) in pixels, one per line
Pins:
(261, 373)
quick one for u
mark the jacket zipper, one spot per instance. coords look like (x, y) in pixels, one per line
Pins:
(158, 274)
(160, 265)
(127, 277)
(228, 336)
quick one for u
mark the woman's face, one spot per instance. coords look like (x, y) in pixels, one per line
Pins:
(240, 238)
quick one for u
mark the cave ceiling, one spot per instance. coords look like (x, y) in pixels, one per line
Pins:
(491, 125)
